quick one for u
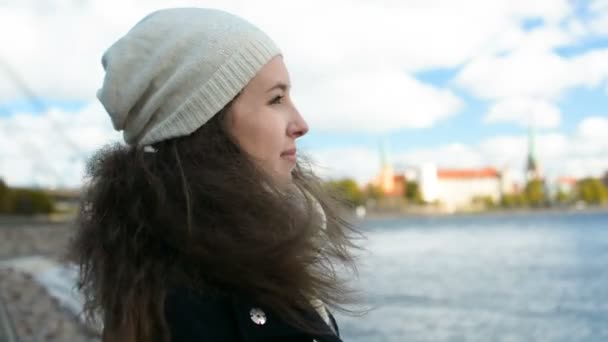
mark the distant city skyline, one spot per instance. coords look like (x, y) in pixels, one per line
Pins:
(449, 83)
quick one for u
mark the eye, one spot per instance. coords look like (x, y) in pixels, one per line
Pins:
(277, 99)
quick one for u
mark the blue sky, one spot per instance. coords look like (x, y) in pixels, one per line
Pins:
(450, 84)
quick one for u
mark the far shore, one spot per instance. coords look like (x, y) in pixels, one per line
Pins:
(17, 220)
(498, 211)
(7, 221)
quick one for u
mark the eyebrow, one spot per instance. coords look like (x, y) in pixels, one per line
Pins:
(280, 85)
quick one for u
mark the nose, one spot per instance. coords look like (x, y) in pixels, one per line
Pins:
(298, 126)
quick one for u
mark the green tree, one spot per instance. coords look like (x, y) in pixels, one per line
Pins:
(413, 193)
(4, 197)
(562, 197)
(535, 193)
(29, 202)
(486, 201)
(373, 192)
(592, 191)
(347, 189)
(513, 200)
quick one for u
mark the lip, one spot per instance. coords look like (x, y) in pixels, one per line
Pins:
(289, 154)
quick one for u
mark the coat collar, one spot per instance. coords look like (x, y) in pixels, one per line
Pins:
(273, 327)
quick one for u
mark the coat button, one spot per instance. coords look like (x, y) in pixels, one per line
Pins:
(257, 316)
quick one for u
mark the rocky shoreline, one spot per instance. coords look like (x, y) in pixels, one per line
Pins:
(33, 313)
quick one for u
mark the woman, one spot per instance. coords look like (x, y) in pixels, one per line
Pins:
(205, 226)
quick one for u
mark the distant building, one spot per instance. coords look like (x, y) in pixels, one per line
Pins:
(460, 187)
(454, 188)
(399, 185)
(507, 182)
(566, 184)
(428, 182)
(457, 188)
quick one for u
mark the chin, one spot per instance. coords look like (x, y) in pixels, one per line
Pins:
(286, 177)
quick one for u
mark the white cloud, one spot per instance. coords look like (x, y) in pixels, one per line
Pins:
(375, 102)
(599, 24)
(413, 35)
(449, 155)
(50, 148)
(579, 155)
(543, 38)
(527, 66)
(56, 50)
(47, 159)
(524, 111)
(594, 127)
(591, 68)
(522, 74)
(532, 73)
(360, 163)
(598, 5)
(559, 154)
(59, 43)
(351, 67)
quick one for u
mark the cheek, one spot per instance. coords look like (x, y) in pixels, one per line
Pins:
(261, 135)
(270, 138)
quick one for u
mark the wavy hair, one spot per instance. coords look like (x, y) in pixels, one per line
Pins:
(200, 212)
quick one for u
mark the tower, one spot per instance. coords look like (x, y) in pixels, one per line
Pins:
(386, 180)
(533, 169)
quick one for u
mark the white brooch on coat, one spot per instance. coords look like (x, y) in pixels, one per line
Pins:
(258, 316)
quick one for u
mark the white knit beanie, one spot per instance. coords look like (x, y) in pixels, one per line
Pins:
(176, 69)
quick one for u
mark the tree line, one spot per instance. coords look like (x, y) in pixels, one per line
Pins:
(592, 191)
(24, 201)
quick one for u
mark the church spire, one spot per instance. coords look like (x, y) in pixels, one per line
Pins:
(386, 178)
(384, 158)
(532, 165)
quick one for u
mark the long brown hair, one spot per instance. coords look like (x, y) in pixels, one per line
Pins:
(199, 212)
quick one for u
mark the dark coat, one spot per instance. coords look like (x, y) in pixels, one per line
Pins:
(194, 318)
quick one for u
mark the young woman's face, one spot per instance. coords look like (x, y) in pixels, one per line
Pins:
(265, 122)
